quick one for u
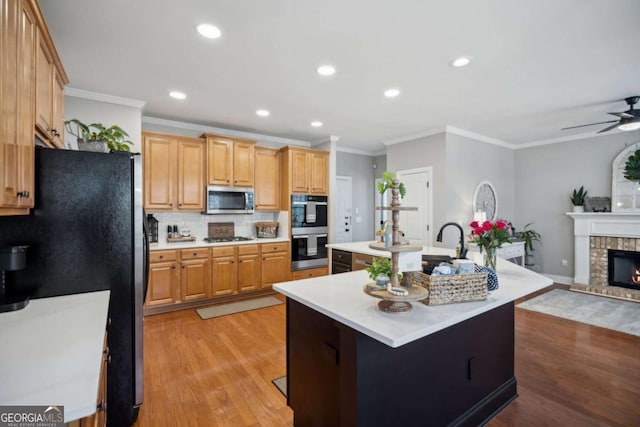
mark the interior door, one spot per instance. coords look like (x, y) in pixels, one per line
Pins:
(344, 232)
(416, 225)
(379, 216)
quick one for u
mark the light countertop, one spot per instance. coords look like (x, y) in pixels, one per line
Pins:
(341, 297)
(51, 353)
(199, 243)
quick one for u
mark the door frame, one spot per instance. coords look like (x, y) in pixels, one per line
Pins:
(350, 179)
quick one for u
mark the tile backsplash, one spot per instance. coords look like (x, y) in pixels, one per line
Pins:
(198, 223)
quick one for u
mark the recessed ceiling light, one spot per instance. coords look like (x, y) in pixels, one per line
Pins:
(209, 31)
(316, 124)
(177, 94)
(263, 113)
(460, 62)
(326, 70)
(391, 93)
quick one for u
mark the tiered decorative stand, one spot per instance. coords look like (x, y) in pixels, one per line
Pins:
(396, 298)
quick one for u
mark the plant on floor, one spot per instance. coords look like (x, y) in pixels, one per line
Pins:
(577, 198)
(529, 235)
(632, 167)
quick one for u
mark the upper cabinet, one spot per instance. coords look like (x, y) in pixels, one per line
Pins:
(173, 172)
(267, 176)
(22, 33)
(230, 161)
(305, 171)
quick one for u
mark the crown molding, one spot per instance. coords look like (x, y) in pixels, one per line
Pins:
(478, 137)
(360, 152)
(223, 131)
(587, 135)
(95, 96)
(413, 137)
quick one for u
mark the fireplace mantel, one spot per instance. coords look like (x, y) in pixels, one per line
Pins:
(586, 225)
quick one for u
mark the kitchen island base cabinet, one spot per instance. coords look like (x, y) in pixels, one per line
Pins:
(462, 375)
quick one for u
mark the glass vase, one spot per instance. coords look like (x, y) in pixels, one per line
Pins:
(490, 257)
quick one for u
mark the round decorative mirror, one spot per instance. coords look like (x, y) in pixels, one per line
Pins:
(485, 199)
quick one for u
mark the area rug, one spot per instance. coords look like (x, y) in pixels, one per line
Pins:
(610, 313)
(281, 384)
(237, 307)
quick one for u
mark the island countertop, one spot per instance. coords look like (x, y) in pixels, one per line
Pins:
(341, 297)
(52, 352)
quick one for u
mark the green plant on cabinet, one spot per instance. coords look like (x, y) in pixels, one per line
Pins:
(114, 136)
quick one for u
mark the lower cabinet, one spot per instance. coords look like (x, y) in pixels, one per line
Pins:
(276, 263)
(313, 272)
(182, 276)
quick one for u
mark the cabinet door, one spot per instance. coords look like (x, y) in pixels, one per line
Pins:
(299, 172)
(267, 177)
(249, 272)
(224, 275)
(191, 175)
(159, 172)
(319, 173)
(219, 161)
(163, 284)
(57, 114)
(243, 161)
(196, 279)
(276, 267)
(44, 87)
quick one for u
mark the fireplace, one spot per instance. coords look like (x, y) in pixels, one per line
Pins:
(623, 268)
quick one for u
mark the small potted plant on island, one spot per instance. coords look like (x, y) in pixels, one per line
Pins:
(98, 138)
(577, 198)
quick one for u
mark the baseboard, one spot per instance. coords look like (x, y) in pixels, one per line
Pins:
(482, 412)
(559, 279)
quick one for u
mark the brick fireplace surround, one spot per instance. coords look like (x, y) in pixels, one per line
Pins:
(594, 234)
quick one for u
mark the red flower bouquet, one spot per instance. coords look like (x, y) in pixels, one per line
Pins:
(489, 236)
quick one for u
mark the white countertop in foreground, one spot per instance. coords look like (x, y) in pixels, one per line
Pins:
(51, 353)
(202, 244)
(341, 297)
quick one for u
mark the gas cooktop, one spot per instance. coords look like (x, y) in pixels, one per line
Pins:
(227, 239)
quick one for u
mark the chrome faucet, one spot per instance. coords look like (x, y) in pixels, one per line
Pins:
(463, 250)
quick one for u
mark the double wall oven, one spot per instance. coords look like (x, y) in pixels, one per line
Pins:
(308, 231)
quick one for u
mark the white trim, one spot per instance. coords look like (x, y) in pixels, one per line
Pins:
(563, 280)
(95, 96)
(478, 137)
(413, 137)
(361, 152)
(562, 139)
(228, 132)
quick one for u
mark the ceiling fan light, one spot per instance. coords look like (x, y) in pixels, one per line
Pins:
(630, 125)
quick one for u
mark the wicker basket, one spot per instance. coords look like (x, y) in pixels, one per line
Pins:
(267, 229)
(451, 288)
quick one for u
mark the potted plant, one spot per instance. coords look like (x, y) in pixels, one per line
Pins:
(97, 137)
(577, 198)
(387, 182)
(529, 235)
(632, 167)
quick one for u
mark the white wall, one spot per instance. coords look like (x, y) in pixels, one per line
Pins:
(545, 177)
(91, 111)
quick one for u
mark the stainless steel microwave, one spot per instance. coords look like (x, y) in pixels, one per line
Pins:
(229, 200)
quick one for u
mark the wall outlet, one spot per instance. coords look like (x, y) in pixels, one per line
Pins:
(564, 262)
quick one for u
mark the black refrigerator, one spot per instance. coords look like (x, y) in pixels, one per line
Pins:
(86, 233)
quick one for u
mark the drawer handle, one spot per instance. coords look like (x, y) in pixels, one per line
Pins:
(195, 254)
(161, 256)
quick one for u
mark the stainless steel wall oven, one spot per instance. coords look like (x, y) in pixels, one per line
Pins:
(308, 231)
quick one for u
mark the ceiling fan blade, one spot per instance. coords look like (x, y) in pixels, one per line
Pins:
(624, 115)
(590, 124)
(608, 128)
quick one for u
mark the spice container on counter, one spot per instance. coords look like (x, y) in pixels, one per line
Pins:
(169, 232)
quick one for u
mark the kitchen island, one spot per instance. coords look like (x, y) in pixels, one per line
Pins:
(350, 364)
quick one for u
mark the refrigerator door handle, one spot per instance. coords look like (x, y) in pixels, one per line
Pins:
(145, 256)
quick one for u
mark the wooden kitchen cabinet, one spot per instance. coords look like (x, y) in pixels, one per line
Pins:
(195, 276)
(164, 280)
(312, 272)
(267, 179)
(173, 172)
(249, 268)
(230, 161)
(304, 171)
(224, 274)
(276, 263)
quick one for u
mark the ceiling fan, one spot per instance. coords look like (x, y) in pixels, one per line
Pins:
(629, 120)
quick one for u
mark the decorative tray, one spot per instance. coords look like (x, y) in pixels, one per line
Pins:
(395, 304)
(180, 239)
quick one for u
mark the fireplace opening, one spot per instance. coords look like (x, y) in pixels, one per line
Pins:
(624, 268)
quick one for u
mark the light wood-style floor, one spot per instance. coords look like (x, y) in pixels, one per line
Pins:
(218, 372)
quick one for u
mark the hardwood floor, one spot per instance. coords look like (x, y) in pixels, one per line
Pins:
(218, 372)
